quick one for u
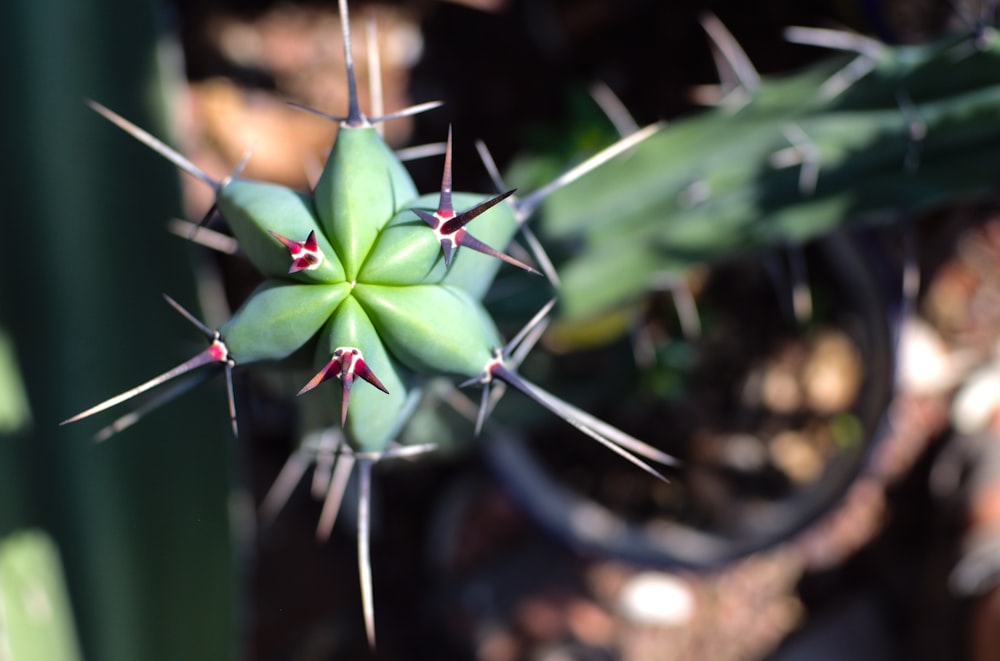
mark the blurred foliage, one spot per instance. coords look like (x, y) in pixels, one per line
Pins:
(35, 619)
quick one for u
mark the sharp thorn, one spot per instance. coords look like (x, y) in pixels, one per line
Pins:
(518, 355)
(429, 218)
(408, 111)
(332, 118)
(533, 323)
(211, 239)
(206, 331)
(405, 112)
(491, 166)
(452, 225)
(207, 356)
(472, 381)
(238, 169)
(154, 402)
(345, 398)
(319, 378)
(835, 40)
(687, 309)
(467, 240)
(334, 495)
(447, 247)
(854, 71)
(324, 459)
(374, 71)
(364, 552)
(613, 108)
(445, 208)
(361, 369)
(528, 205)
(231, 399)
(154, 143)
(203, 223)
(483, 408)
(542, 257)
(399, 452)
(420, 151)
(584, 424)
(354, 116)
(734, 57)
(283, 486)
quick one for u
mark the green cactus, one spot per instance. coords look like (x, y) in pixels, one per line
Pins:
(382, 285)
(871, 138)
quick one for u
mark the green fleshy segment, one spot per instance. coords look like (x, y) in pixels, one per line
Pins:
(433, 329)
(253, 209)
(361, 188)
(373, 417)
(279, 318)
(407, 251)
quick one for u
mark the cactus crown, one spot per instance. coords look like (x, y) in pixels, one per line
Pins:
(372, 274)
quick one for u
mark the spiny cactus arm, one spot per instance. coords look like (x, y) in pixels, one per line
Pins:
(916, 131)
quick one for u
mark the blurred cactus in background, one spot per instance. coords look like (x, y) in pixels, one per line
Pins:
(141, 527)
(876, 136)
